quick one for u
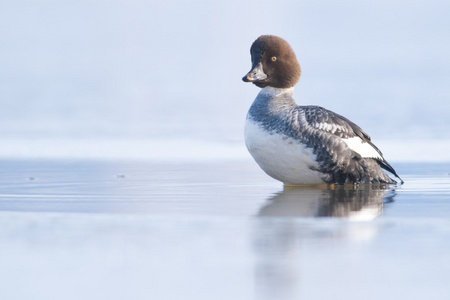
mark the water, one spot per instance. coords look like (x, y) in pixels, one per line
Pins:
(91, 229)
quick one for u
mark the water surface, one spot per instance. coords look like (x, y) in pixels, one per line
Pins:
(224, 230)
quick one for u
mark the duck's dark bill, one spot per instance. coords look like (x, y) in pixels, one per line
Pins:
(257, 73)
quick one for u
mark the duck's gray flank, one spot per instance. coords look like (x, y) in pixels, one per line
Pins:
(322, 131)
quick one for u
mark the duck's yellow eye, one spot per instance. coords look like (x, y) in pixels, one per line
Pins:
(274, 58)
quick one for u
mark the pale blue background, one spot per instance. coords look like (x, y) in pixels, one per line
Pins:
(169, 70)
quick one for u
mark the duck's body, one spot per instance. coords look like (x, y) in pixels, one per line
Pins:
(303, 144)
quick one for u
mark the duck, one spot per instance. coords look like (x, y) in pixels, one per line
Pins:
(303, 145)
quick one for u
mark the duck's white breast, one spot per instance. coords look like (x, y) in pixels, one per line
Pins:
(280, 156)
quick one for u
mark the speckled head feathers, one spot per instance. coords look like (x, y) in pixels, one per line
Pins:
(274, 63)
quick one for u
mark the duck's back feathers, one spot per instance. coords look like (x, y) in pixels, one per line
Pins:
(340, 142)
(328, 121)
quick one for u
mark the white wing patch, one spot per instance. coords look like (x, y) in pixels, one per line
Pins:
(362, 148)
(326, 127)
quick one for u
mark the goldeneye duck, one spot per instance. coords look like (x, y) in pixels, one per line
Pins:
(303, 144)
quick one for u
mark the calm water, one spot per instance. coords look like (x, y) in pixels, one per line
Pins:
(141, 230)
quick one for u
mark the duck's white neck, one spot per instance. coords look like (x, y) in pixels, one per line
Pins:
(271, 91)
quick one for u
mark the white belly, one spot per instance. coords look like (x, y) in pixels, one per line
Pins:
(281, 157)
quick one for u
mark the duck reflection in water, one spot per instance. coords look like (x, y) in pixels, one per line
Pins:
(359, 202)
(278, 244)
